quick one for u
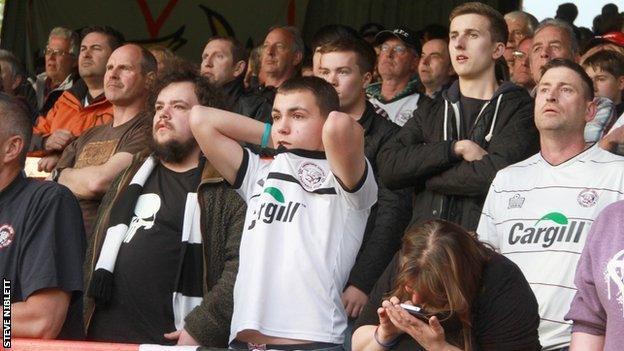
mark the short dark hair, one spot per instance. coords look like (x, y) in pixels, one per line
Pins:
(239, 53)
(365, 53)
(330, 33)
(567, 12)
(435, 31)
(560, 62)
(498, 26)
(184, 71)
(325, 94)
(148, 61)
(608, 61)
(115, 37)
(15, 120)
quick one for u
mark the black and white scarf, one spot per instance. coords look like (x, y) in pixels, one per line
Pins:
(189, 277)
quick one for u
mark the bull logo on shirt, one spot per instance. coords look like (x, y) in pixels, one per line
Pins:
(6, 235)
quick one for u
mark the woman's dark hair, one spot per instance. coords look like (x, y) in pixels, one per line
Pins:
(442, 263)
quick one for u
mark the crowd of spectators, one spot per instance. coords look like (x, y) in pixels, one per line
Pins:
(453, 188)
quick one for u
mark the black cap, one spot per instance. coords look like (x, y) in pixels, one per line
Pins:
(404, 34)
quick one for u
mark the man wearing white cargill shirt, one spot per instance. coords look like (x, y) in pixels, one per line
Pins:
(538, 212)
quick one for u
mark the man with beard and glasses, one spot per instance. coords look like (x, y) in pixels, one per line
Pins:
(168, 213)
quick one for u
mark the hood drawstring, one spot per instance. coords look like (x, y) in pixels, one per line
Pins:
(488, 137)
(445, 119)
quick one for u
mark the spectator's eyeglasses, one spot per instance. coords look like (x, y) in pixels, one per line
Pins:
(519, 55)
(55, 52)
(398, 49)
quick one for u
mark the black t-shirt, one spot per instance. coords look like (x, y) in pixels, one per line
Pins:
(619, 109)
(141, 309)
(505, 315)
(42, 244)
(470, 109)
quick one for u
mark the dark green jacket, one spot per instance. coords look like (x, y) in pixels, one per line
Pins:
(222, 219)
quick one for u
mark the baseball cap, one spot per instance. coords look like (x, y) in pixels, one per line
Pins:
(402, 33)
(616, 38)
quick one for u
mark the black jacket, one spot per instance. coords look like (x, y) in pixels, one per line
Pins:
(388, 217)
(247, 103)
(421, 154)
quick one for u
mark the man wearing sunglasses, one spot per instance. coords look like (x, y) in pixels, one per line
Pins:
(397, 63)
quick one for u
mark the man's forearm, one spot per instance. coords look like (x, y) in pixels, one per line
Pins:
(231, 125)
(586, 342)
(40, 316)
(80, 181)
(92, 182)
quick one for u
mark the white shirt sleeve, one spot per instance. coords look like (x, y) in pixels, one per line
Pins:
(247, 174)
(487, 223)
(364, 195)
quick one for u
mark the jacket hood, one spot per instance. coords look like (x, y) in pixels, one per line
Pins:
(483, 129)
(452, 94)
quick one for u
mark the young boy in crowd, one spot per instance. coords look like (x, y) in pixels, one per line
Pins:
(606, 69)
(307, 209)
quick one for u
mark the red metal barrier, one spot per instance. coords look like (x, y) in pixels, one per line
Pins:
(20, 344)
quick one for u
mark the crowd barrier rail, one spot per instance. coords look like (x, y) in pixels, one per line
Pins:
(22, 344)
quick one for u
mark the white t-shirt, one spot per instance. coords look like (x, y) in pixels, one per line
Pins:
(539, 215)
(301, 236)
(401, 110)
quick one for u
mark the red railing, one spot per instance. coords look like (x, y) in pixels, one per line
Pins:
(20, 344)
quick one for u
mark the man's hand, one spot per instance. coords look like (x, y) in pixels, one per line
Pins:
(468, 150)
(354, 300)
(58, 140)
(47, 163)
(183, 337)
(611, 140)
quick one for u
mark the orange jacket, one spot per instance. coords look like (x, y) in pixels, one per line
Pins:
(69, 113)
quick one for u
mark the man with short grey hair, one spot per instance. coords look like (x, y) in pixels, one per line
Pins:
(14, 82)
(61, 55)
(282, 53)
(553, 39)
(520, 25)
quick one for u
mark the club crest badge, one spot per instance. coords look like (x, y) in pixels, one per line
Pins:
(7, 233)
(587, 198)
(516, 201)
(311, 175)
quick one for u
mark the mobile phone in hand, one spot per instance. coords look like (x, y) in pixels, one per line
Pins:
(417, 312)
